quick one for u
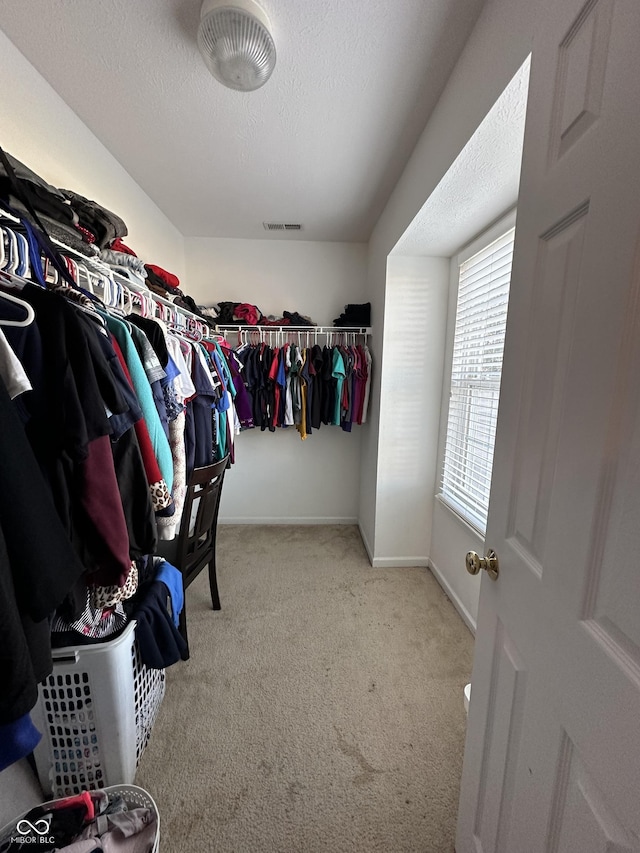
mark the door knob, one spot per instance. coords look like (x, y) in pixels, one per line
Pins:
(489, 564)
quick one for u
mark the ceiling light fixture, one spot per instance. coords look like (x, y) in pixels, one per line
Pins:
(236, 44)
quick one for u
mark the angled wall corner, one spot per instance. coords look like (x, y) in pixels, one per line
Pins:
(434, 178)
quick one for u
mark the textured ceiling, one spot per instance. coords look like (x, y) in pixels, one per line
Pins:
(322, 143)
(481, 184)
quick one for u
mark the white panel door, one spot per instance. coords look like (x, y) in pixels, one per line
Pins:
(552, 760)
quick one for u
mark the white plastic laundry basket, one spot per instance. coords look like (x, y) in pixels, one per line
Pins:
(132, 795)
(95, 711)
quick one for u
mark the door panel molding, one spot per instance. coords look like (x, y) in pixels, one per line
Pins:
(582, 818)
(582, 62)
(506, 704)
(552, 328)
(611, 580)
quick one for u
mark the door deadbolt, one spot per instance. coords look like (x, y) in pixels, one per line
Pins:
(489, 563)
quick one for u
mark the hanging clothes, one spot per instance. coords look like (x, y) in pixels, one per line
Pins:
(90, 406)
(305, 387)
(93, 442)
(145, 396)
(11, 370)
(36, 571)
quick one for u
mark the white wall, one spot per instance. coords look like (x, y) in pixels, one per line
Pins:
(38, 128)
(315, 279)
(278, 478)
(451, 536)
(451, 539)
(414, 345)
(495, 50)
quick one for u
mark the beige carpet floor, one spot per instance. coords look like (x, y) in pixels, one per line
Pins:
(321, 710)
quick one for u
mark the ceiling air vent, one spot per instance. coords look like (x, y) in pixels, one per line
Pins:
(282, 226)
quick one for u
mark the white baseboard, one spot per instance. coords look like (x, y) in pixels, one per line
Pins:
(399, 562)
(467, 618)
(365, 542)
(281, 520)
(390, 562)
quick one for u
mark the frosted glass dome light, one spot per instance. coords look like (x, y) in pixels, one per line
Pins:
(236, 44)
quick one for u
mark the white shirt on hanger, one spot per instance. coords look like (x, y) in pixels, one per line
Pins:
(11, 370)
(183, 385)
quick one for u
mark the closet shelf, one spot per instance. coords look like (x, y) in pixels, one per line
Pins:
(319, 330)
(140, 288)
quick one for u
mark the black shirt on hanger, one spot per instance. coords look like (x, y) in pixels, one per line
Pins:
(37, 567)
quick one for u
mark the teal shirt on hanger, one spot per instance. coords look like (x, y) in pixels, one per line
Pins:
(141, 386)
(338, 372)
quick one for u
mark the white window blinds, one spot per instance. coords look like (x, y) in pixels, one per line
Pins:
(481, 319)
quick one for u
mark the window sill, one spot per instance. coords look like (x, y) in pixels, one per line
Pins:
(450, 508)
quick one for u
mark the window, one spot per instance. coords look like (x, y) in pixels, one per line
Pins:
(481, 319)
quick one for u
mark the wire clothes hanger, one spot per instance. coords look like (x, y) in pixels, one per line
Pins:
(64, 266)
(11, 272)
(301, 336)
(9, 297)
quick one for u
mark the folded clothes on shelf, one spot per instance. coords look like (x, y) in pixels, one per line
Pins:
(95, 219)
(165, 277)
(296, 319)
(355, 315)
(117, 258)
(44, 197)
(247, 314)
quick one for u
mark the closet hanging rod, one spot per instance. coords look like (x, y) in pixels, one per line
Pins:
(140, 288)
(97, 265)
(122, 280)
(125, 282)
(319, 330)
(6, 215)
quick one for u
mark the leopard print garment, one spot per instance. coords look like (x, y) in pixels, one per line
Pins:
(160, 495)
(169, 525)
(108, 596)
